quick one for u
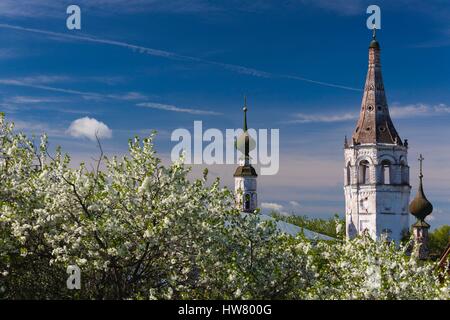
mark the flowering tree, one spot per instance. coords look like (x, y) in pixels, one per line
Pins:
(366, 269)
(140, 230)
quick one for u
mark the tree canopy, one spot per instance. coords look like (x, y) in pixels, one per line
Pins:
(140, 230)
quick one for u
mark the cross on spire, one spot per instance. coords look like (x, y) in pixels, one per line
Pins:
(374, 31)
(421, 158)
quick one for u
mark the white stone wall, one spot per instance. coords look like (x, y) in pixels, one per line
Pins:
(380, 207)
(242, 187)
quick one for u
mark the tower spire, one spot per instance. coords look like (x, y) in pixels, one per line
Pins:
(245, 175)
(375, 124)
(244, 142)
(245, 113)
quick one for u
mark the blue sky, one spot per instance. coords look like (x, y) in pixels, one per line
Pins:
(204, 56)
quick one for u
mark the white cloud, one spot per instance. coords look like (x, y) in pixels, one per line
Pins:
(89, 128)
(310, 118)
(31, 100)
(418, 109)
(133, 96)
(35, 103)
(29, 84)
(271, 206)
(40, 83)
(44, 79)
(37, 128)
(396, 111)
(411, 110)
(172, 108)
(442, 108)
(294, 204)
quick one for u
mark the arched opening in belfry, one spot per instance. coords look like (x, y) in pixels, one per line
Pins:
(386, 172)
(247, 201)
(348, 173)
(364, 177)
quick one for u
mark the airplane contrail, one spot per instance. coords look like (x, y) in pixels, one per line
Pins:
(19, 83)
(175, 56)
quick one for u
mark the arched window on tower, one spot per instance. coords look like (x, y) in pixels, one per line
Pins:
(363, 177)
(348, 174)
(247, 202)
(385, 172)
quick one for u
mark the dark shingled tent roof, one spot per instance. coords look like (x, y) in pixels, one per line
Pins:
(245, 171)
(375, 124)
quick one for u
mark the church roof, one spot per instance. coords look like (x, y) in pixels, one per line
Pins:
(421, 224)
(245, 171)
(375, 124)
(294, 230)
(420, 207)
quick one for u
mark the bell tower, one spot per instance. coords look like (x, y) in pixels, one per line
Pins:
(245, 175)
(376, 169)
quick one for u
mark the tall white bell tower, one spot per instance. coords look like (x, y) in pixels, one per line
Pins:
(376, 166)
(245, 175)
